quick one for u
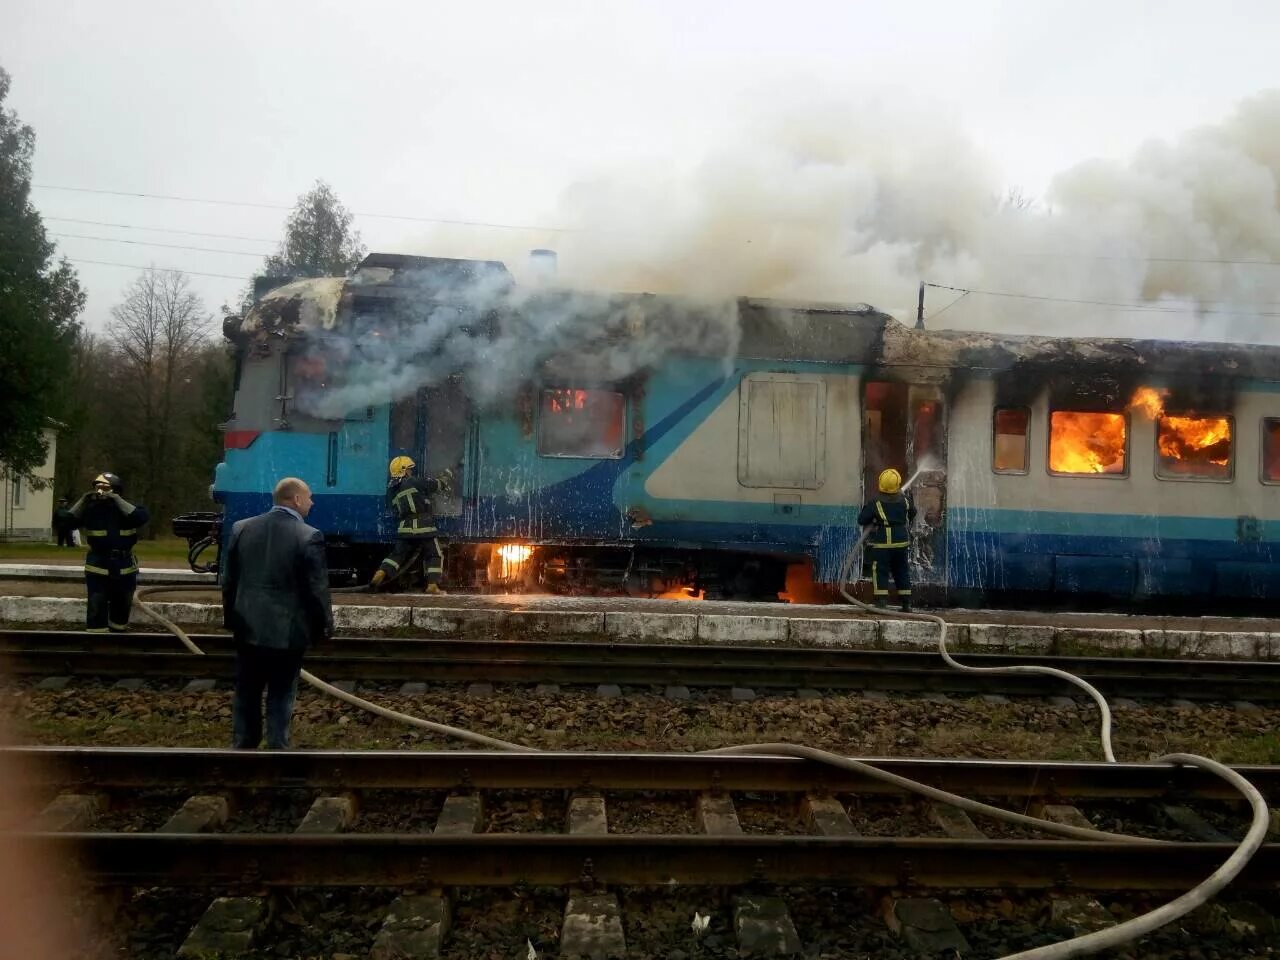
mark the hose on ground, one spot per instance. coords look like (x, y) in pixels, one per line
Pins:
(1139, 926)
(429, 725)
(1077, 947)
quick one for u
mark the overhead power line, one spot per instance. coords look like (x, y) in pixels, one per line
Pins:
(281, 206)
(1092, 256)
(138, 226)
(139, 266)
(153, 243)
(1134, 306)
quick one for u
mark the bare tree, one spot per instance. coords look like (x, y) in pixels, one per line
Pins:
(159, 330)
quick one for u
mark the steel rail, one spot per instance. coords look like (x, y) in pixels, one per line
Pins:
(158, 767)
(280, 860)
(50, 652)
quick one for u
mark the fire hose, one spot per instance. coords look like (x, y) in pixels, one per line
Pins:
(1076, 947)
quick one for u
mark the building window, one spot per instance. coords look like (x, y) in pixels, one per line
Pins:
(1193, 448)
(1271, 450)
(1088, 444)
(1009, 439)
(581, 423)
(19, 493)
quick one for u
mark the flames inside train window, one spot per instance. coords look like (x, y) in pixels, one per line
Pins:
(581, 423)
(1271, 450)
(1193, 448)
(1009, 437)
(1088, 444)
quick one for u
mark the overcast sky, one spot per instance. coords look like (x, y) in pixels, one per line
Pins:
(489, 112)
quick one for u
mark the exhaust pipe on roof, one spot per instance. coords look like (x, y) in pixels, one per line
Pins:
(542, 264)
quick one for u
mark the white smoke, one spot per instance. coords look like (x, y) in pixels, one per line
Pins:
(860, 203)
(497, 336)
(853, 204)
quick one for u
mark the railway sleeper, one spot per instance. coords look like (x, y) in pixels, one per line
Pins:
(231, 926)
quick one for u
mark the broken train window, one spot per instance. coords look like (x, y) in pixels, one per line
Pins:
(1010, 430)
(1088, 444)
(1193, 447)
(581, 423)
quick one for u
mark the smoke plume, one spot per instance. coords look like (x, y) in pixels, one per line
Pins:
(860, 203)
(497, 335)
(851, 204)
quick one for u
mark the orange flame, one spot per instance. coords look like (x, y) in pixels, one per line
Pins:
(681, 593)
(1199, 446)
(514, 552)
(513, 557)
(1086, 443)
(1188, 443)
(1149, 400)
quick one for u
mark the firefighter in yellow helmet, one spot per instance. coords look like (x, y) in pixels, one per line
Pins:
(409, 498)
(889, 515)
(110, 525)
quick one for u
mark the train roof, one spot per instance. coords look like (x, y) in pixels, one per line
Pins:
(823, 332)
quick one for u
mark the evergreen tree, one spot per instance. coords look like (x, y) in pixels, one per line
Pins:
(318, 240)
(39, 303)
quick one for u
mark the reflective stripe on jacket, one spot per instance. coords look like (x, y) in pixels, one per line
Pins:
(107, 530)
(411, 503)
(889, 515)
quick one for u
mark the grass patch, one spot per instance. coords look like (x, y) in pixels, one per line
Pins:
(164, 551)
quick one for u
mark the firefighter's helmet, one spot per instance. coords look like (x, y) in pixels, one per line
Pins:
(401, 467)
(110, 479)
(890, 481)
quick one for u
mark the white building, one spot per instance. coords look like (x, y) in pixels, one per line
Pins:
(26, 513)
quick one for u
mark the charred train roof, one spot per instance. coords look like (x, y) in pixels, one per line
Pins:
(832, 333)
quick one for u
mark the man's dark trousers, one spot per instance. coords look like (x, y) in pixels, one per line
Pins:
(260, 669)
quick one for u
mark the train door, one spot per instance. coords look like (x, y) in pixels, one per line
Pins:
(446, 416)
(904, 426)
(431, 427)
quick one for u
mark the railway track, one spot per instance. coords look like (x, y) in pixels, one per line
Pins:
(74, 653)
(596, 824)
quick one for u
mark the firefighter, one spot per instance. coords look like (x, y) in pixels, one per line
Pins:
(110, 524)
(889, 515)
(410, 501)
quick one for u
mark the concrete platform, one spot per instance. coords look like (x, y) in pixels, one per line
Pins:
(67, 571)
(711, 623)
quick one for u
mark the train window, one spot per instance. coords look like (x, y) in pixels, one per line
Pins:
(404, 424)
(581, 423)
(1009, 439)
(1193, 448)
(1088, 444)
(782, 431)
(1271, 450)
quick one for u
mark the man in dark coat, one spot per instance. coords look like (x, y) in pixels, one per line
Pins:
(889, 515)
(64, 523)
(275, 600)
(110, 524)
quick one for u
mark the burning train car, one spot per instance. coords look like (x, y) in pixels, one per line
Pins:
(658, 446)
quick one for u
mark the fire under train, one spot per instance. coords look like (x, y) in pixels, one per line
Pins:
(717, 466)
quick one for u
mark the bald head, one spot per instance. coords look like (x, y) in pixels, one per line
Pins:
(292, 492)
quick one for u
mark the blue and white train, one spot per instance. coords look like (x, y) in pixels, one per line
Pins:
(740, 441)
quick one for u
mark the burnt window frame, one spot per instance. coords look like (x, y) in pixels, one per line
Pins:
(1128, 446)
(1262, 451)
(1231, 462)
(546, 388)
(1026, 442)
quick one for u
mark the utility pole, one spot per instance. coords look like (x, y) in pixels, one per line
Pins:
(920, 308)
